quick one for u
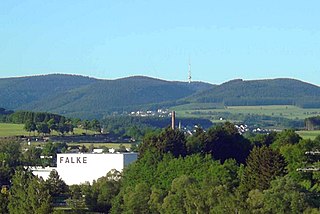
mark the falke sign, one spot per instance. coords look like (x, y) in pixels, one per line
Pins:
(73, 160)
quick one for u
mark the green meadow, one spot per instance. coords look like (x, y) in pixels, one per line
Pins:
(309, 134)
(286, 111)
(207, 110)
(200, 110)
(9, 130)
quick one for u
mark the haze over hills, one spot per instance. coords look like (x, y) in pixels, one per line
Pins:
(79, 96)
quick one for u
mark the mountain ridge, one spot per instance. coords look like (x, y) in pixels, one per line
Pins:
(69, 94)
(80, 96)
(270, 92)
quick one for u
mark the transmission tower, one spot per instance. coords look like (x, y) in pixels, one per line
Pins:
(189, 72)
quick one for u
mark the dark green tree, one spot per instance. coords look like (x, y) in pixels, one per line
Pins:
(30, 126)
(49, 153)
(168, 141)
(43, 128)
(263, 139)
(254, 202)
(224, 142)
(136, 199)
(134, 132)
(10, 159)
(100, 194)
(4, 200)
(95, 125)
(31, 157)
(76, 201)
(156, 199)
(284, 196)
(263, 165)
(70, 127)
(134, 147)
(285, 137)
(86, 125)
(176, 201)
(56, 186)
(52, 125)
(65, 128)
(195, 144)
(296, 157)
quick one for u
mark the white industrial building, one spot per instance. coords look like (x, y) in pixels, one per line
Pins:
(77, 168)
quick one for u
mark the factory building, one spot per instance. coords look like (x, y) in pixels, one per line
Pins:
(77, 168)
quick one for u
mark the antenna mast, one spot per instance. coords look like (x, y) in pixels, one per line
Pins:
(189, 72)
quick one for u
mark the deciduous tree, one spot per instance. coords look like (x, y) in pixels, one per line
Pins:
(28, 194)
(224, 142)
(168, 141)
(100, 194)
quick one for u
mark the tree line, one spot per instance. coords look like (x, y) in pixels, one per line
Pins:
(312, 123)
(4, 114)
(137, 127)
(212, 171)
(220, 171)
(45, 123)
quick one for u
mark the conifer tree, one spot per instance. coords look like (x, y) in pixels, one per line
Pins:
(263, 165)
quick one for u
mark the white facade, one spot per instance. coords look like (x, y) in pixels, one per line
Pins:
(43, 172)
(78, 168)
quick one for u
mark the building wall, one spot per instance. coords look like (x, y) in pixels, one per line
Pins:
(129, 158)
(80, 168)
(43, 172)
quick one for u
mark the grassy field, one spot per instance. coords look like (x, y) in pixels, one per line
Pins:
(9, 129)
(99, 145)
(286, 111)
(309, 134)
(197, 106)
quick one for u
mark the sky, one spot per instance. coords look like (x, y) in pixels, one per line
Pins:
(109, 39)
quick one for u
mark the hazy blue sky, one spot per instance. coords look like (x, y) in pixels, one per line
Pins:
(110, 39)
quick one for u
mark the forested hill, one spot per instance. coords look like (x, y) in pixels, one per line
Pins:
(280, 91)
(16, 93)
(84, 97)
(79, 96)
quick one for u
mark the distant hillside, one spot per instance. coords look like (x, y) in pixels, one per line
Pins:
(261, 92)
(16, 93)
(84, 97)
(79, 96)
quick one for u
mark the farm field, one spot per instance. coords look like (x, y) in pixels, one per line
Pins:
(309, 134)
(9, 129)
(204, 111)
